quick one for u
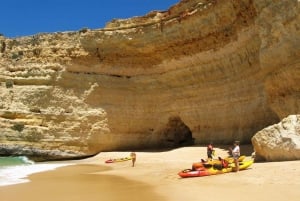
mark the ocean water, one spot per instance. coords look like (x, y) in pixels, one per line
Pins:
(14, 170)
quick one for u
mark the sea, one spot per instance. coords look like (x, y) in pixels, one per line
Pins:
(16, 169)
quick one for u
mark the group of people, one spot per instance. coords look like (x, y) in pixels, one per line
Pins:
(235, 152)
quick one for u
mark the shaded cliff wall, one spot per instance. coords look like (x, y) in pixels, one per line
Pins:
(209, 70)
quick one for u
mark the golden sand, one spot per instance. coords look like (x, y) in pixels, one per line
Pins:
(154, 178)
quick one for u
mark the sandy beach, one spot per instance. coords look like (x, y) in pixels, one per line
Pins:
(154, 177)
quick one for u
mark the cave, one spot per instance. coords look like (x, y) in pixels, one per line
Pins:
(176, 133)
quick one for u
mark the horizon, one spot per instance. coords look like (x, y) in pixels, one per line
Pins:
(31, 17)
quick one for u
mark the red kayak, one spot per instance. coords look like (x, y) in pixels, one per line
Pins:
(193, 173)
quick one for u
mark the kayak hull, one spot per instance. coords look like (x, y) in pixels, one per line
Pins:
(118, 160)
(212, 171)
(207, 164)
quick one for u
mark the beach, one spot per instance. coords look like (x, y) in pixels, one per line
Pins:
(154, 177)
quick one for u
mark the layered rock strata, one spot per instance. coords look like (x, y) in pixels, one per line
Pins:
(279, 142)
(204, 70)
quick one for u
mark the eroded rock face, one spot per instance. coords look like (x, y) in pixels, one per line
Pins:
(226, 69)
(279, 142)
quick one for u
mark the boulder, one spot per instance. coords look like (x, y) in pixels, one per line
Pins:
(279, 142)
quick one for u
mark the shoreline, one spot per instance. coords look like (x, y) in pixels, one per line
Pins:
(154, 177)
(14, 174)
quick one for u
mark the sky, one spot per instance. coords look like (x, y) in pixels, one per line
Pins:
(28, 17)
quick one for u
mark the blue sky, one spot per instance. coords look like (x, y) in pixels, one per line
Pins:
(29, 17)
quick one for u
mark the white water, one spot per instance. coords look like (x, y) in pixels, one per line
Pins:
(16, 174)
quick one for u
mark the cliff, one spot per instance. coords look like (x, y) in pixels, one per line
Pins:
(204, 70)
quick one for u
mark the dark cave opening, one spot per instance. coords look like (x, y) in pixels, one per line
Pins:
(176, 133)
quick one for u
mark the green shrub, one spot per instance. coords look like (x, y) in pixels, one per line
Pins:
(3, 47)
(35, 110)
(20, 53)
(83, 30)
(9, 83)
(15, 56)
(18, 127)
(37, 51)
(33, 137)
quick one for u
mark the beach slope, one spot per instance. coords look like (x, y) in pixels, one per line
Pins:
(154, 177)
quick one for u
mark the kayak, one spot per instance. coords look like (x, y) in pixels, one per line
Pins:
(213, 171)
(118, 160)
(207, 164)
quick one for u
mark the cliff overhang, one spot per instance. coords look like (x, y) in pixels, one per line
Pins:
(202, 71)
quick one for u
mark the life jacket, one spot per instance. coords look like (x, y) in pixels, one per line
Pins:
(210, 147)
(224, 163)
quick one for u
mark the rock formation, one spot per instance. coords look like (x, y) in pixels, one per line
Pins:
(204, 70)
(279, 142)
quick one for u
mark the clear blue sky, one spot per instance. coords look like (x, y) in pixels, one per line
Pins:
(29, 17)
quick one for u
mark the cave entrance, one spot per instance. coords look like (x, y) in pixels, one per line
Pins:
(176, 133)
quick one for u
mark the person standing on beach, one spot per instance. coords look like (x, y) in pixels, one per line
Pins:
(133, 158)
(236, 154)
(210, 150)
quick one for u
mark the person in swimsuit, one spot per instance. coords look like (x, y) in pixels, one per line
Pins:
(133, 158)
(210, 150)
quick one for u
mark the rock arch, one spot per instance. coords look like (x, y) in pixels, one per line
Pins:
(175, 133)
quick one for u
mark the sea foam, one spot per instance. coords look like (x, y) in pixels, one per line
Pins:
(17, 173)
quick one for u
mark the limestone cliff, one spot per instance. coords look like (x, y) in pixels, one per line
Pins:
(204, 70)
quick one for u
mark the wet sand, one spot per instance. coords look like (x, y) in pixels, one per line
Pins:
(76, 183)
(155, 178)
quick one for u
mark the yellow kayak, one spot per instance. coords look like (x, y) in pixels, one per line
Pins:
(229, 160)
(242, 166)
(118, 160)
(213, 171)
